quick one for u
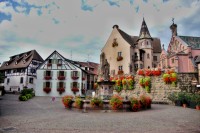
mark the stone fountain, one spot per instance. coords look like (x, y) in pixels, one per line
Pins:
(105, 88)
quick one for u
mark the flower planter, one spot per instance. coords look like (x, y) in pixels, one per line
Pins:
(47, 90)
(61, 90)
(197, 107)
(59, 64)
(75, 78)
(120, 72)
(83, 78)
(119, 58)
(47, 77)
(184, 105)
(61, 78)
(75, 90)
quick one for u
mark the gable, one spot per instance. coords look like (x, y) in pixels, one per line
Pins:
(57, 61)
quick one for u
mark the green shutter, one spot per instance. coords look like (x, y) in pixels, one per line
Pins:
(71, 73)
(57, 73)
(64, 84)
(65, 73)
(57, 84)
(78, 74)
(78, 85)
(44, 84)
(51, 73)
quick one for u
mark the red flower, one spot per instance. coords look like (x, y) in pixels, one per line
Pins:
(75, 78)
(47, 77)
(140, 72)
(119, 58)
(61, 77)
(74, 89)
(148, 72)
(61, 90)
(47, 89)
(83, 78)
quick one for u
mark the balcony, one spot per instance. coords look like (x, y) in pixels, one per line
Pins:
(47, 89)
(61, 77)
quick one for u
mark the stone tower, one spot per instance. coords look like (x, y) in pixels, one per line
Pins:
(145, 45)
(173, 28)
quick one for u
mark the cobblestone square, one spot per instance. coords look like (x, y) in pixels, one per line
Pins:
(41, 114)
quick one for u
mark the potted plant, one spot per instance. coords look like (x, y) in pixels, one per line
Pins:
(135, 105)
(173, 97)
(193, 101)
(67, 101)
(78, 103)
(197, 99)
(182, 99)
(96, 102)
(116, 102)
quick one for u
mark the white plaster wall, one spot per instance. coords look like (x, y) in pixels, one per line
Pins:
(40, 80)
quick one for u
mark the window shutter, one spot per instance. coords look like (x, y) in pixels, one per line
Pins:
(64, 84)
(65, 73)
(78, 74)
(57, 84)
(44, 84)
(50, 85)
(57, 73)
(78, 85)
(51, 73)
(71, 73)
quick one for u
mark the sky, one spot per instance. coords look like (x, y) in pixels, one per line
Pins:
(78, 29)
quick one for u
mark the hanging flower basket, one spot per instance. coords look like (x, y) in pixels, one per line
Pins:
(119, 58)
(47, 89)
(61, 77)
(61, 90)
(75, 78)
(47, 77)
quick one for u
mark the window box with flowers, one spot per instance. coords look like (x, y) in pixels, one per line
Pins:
(140, 72)
(47, 78)
(59, 65)
(47, 89)
(75, 89)
(119, 58)
(61, 77)
(61, 90)
(120, 72)
(49, 64)
(48, 75)
(83, 78)
(75, 75)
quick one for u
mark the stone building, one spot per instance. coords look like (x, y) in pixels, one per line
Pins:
(126, 53)
(181, 53)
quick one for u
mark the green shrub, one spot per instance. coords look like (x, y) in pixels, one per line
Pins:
(22, 98)
(28, 96)
(173, 96)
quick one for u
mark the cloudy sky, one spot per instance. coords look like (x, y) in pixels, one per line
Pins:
(78, 29)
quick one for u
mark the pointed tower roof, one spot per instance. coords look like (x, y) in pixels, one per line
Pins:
(144, 31)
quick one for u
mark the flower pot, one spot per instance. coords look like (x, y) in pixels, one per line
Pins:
(184, 105)
(192, 104)
(197, 107)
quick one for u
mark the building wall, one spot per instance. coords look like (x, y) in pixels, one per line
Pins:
(68, 80)
(111, 52)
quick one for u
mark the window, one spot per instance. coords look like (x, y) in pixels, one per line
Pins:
(120, 67)
(31, 80)
(15, 71)
(173, 60)
(141, 66)
(34, 63)
(21, 80)
(75, 74)
(48, 84)
(8, 80)
(155, 58)
(50, 61)
(60, 85)
(9, 71)
(136, 66)
(61, 73)
(33, 70)
(119, 54)
(48, 73)
(148, 56)
(59, 61)
(75, 85)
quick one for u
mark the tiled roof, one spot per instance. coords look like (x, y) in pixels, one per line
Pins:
(133, 40)
(194, 42)
(144, 31)
(21, 60)
(93, 65)
(198, 59)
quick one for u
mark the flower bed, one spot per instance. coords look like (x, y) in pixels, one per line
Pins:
(116, 102)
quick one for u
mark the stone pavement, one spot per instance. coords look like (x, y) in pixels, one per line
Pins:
(41, 115)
